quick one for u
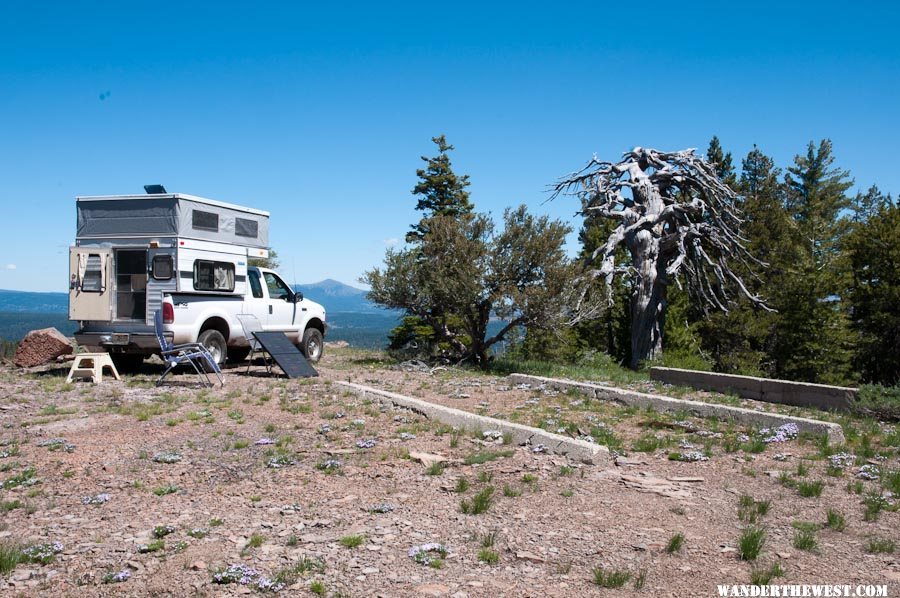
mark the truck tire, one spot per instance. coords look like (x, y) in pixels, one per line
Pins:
(127, 363)
(214, 342)
(312, 344)
(238, 354)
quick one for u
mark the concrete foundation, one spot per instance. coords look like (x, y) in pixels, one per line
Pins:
(783, 392)
(747, 417)
(577, 450)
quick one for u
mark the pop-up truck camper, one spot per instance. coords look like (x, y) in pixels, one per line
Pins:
(189, 257)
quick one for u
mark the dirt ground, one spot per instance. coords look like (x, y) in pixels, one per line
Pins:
(320, 492)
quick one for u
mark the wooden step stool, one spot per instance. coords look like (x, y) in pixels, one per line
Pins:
(90, 365)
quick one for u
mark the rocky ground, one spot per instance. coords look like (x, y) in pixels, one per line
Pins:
(125, 488)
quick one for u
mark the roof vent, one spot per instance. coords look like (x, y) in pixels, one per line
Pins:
(154, 189)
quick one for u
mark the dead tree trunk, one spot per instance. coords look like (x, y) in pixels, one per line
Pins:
(675, 217)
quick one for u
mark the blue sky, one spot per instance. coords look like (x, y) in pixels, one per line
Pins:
(319, 115)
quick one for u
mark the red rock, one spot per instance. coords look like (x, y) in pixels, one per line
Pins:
(40, 347)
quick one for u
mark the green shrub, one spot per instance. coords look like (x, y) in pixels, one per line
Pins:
(835, 520)
(675, 544)
(810, 489)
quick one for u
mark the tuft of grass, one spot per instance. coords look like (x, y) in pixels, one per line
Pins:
(835, 520)
(10, 556)
(8, 505)
(802, 468)
(317, 588)
(485, 477)
(751, 543)
(436, 468)
(488, 556)
(880, 546)
(610, 578)
(462, 484)
(167, 489)
(489, 539)
(640, 579)
(216, 522)
(565, 470)
(241, 444)
(510, 492)
(648, 443)
(676, 543)
(290, 574)
(810, 489)
(890, 481)
(750, 509)
(353, 541)
(479, 504)
(875, 503)
(805, 539)
(255, 541)
(762, 576)
(529, 478)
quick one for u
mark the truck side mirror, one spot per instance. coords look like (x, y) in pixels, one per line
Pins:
(298, 297)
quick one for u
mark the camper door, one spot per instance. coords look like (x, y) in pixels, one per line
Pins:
(90, 287)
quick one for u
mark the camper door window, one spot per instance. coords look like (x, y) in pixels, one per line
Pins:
(213, 276)
(92, 280)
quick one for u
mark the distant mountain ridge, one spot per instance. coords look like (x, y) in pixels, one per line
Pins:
(337, 296)
(32, 302)
(333, 294)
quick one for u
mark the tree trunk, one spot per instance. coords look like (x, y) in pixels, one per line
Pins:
(648, 300)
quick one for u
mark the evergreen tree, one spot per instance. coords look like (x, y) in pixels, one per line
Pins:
(813, 338)
(440, 190)
(722, 161)
(873, 249)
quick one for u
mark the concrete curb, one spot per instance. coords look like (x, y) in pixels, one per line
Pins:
(833, 432)
(578, 450)
(783, 392)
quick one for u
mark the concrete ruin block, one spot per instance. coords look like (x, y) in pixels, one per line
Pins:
(784, 392)
(40, 347)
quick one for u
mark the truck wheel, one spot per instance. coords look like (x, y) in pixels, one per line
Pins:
(312, 344)
(238, 354)
(127, 363)
(215, 343)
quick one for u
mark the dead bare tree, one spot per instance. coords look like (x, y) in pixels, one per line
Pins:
(675, 217)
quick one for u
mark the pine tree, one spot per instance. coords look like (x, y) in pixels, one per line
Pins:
(741, 340)
(440, 190)
(722, 161)
(873, 249)
(813, 337)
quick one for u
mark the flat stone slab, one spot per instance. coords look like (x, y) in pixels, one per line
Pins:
(748, 417)
(577, 450)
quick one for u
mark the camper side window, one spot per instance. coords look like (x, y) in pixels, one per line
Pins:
(163, 267)
(213, 276)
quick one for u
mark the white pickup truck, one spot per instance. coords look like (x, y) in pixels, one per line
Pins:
(215, 322)
(190, 258)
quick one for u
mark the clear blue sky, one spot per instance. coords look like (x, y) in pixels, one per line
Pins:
(320, 115)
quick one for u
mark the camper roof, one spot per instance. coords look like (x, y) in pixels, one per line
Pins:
(211, 202)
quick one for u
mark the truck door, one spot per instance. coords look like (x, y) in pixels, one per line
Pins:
(90, 287)
(281, 306)
(162, 279)
(256, 302)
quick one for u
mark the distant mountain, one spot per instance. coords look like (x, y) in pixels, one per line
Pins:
(25, 301)
(337, 296)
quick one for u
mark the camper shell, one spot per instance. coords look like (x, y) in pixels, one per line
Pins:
(132, 250)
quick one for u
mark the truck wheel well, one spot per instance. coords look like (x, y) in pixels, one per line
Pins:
(216, 324)
(317, 324)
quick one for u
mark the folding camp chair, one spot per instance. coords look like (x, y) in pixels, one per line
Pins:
(251, 324)
(194, 354)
